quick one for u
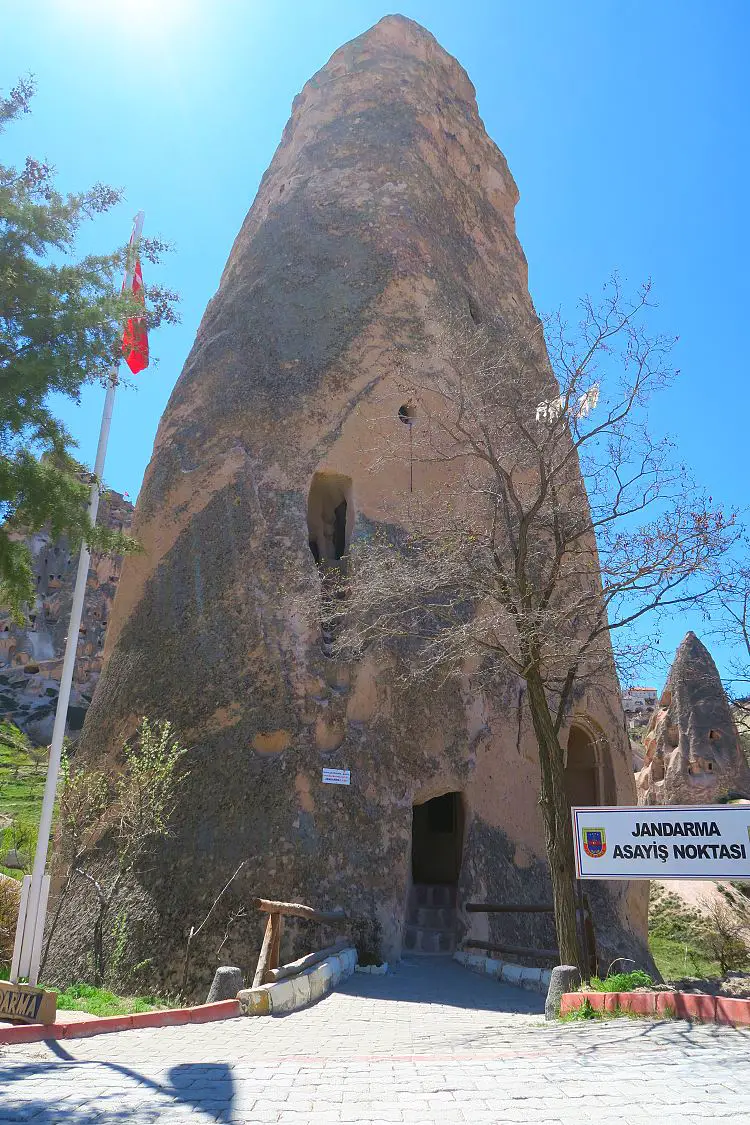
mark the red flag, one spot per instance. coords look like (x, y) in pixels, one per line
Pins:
(135, 336)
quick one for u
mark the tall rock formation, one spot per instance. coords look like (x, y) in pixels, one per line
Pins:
(386, 206)
(693, 752)
(31, 654)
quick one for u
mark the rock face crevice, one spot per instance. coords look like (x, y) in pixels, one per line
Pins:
(385, 201)
(693, 754)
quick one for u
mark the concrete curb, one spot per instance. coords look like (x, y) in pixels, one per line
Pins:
(522, 976)
(291, 995)
(664, 1005)
(103, 1025)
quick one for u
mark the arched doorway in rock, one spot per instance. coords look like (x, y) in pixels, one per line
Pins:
(436, 851)
(582, 768)
(330, 522)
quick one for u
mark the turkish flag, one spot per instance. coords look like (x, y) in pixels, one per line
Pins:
(135, 336)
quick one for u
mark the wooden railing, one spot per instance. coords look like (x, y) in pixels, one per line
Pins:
(511, 908)
(583, 924)
(268, 969)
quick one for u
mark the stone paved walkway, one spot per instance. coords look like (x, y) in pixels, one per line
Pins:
(431, 1043)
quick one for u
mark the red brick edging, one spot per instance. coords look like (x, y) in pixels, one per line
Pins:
(101, 1025)
(678, 1005)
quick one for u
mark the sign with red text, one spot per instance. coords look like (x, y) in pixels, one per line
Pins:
(670, 842)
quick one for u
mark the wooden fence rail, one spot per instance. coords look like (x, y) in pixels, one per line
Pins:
(504, 908)
(583, 924)
(268, 961)
(513, 950)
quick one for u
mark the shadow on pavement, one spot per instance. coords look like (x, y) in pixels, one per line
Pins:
(204, 1087)
(441, 980)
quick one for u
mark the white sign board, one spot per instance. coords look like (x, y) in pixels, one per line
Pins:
(337, 777)
(670, 842)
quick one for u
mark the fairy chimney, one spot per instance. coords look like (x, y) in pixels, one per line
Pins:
(385, 200)
(692, 750)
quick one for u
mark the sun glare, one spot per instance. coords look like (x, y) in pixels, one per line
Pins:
(131, 17)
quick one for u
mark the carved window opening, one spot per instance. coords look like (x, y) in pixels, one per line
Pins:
(330, 521)
(714, 735)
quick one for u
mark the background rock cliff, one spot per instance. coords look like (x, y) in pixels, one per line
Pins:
(31, 654)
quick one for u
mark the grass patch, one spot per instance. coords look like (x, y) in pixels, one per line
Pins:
(676, 959)
(620, 982)
(586, 1012)
(100, 1002)
(23, 769)
(677, 937)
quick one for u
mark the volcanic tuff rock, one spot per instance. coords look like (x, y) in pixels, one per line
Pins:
(385, 208)
(31, 654)
(693, 753)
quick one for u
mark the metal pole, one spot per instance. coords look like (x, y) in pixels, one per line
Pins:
(28, 943)
(584, 935)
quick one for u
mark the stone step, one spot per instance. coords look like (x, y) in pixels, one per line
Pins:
(432, 917)
(419, 940)
(432, 895)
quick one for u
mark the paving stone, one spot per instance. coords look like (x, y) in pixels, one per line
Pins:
(430, 1042)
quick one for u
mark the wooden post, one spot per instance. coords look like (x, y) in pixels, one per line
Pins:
(265, 952)
(584, 936)
(278, 926)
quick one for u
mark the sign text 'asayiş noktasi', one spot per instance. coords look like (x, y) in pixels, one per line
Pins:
(674, 842)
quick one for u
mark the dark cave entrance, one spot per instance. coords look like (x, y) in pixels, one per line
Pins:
(437, 840)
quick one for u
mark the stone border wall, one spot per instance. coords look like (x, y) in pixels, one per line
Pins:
(297, 992)
(664, 1005)
(522, 976)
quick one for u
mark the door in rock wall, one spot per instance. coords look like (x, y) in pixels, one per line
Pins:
(582, 770)
(437, 839)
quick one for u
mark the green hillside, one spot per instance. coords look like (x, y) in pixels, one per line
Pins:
(22, 773)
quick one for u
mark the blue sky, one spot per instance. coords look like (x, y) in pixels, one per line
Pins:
(624, 123)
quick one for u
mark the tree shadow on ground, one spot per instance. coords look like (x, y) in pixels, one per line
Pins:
(592, 1037)
(201, 1091)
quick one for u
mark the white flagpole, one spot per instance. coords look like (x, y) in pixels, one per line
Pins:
(30, 929)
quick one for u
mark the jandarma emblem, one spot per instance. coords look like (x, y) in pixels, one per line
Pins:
(594, 842)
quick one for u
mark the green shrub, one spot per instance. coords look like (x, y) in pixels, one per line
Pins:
(621, 982)
(584, 1012)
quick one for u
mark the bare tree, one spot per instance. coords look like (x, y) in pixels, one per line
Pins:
(136, 809)
(730, 621)
(725, 935)
(512, 562)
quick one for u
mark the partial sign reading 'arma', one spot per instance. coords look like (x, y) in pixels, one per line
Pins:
(680, 842)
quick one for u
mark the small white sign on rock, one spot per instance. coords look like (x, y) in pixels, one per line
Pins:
(337, 777)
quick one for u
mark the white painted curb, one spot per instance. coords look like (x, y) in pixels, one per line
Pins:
(374, 970)
(291, 995)
(536, 980)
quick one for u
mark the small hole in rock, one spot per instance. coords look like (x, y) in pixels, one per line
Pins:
(407, 413)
